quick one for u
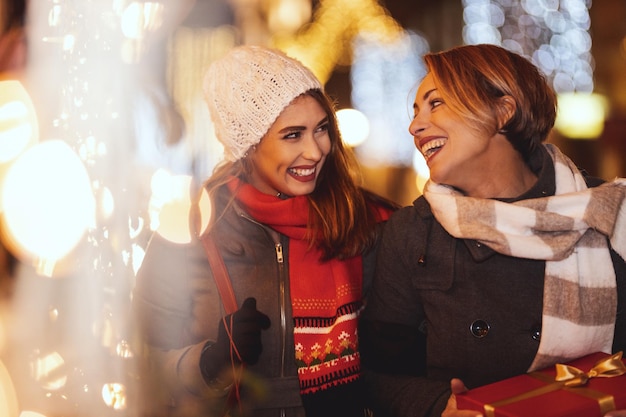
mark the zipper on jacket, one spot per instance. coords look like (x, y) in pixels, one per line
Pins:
(278, 247)
(283, 319)
(279, 253)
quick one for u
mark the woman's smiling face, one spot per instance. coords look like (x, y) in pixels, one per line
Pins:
(454, 150)
(290, 156)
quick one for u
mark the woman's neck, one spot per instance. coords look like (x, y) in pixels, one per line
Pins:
(505, 176)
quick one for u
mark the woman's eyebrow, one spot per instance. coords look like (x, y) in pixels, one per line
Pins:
(300, 128)
(416, 107)
(324, 120)
(291, 129)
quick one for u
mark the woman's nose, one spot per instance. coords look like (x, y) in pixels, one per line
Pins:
(417, 125)
(312, 149)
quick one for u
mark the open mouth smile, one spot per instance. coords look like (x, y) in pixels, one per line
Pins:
(431, 147)
(299, 172)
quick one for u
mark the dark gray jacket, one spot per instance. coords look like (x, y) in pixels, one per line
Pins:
(443, 308)
(178, 309)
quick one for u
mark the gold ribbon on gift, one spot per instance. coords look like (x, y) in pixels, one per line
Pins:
(572, 379)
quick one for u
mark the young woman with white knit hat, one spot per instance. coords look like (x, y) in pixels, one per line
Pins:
(296, 234)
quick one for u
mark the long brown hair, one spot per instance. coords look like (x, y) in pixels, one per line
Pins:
(342, 220)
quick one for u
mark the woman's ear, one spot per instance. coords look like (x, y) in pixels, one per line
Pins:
(504, 111)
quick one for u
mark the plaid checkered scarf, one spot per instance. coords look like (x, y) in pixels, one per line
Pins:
(569, 231)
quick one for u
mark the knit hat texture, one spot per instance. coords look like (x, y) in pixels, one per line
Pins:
(246, 91)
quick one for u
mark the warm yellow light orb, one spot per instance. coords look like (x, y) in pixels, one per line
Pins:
(48, 201)
(354, 126)
(581, 115)
(114, 396)
(18, 120)
(47, 370)
(140, 17)
(206, 211)
(18, 124)
(170, 206)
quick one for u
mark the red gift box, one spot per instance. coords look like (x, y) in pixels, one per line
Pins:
(587, 387)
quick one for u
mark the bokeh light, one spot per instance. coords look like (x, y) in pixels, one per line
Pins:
(140, 17)
(48, 202)
(114, 396)
(206, 210)
(581, 115)
(18, 125)
(49, 371)
(170, 205)
(354, 126)
(324, 43)
(18, 120)
(554, 35)
(383, 76)
(288, 15)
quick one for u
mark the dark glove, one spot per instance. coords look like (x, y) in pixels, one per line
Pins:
(244, 326)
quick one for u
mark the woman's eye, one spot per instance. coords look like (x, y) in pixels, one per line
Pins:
(322, 128)
(292, 135)
(435, 102)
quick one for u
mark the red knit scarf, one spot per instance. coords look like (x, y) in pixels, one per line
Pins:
(325, 296)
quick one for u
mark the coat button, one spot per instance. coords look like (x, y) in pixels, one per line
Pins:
(479, 328)
(535, 332)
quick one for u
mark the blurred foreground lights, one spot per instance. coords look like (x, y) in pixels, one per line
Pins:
(69, 41)
(170, 205)
(123, 349)
(107, 203)
(31, 414)
(8, 399)
(49, 371)
(138, 253)
(581, 115)
(48, 202)
(114, 396)
(354, 126)
(288, 15)
(53, 314)
(206, 209)
(18, 121)
(140, 17)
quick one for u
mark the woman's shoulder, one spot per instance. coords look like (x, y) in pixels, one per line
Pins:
(409, 221)
(419, 210)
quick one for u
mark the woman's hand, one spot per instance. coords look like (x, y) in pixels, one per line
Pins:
(616, 413)
(457, 386)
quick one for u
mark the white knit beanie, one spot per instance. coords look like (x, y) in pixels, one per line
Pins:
(246, 91)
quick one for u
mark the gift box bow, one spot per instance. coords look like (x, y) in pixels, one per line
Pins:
(571, 378)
